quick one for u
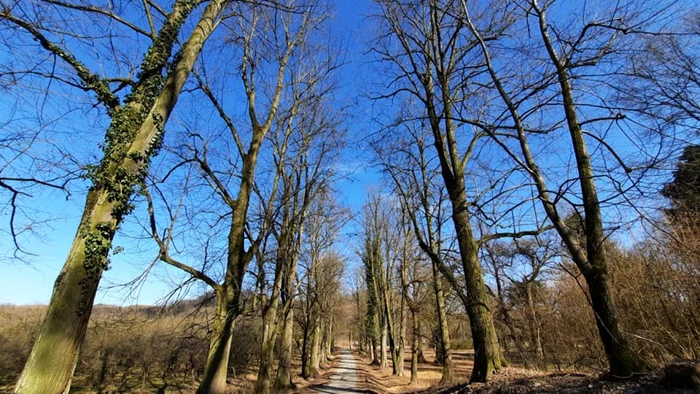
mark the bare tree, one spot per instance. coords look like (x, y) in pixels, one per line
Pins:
(423, 43)
(310, 142)
(568, 57)
(422, 202)
(375, 228)
(414, 280)
(520, 269)
(309, 182)
(415, 174)
(384, 254)
(271, 104)
(359, 298)
(134, 136)
(319, 289)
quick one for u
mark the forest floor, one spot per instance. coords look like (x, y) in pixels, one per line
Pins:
(429, 373)
(514, 380)
(349, 372)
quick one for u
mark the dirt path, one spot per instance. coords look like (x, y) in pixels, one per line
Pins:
(347, 376)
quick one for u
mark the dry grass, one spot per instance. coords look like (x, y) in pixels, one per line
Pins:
(135, 350)
(429, 374)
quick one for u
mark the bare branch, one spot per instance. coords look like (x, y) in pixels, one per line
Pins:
(90, 80)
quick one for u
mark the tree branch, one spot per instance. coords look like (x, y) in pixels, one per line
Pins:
(92, 81)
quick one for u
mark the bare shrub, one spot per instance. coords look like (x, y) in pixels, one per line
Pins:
(656, 285)
(131, 349)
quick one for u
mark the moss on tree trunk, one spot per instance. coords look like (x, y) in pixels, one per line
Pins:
(133, 137)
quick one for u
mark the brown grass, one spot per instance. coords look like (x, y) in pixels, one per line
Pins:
(429, 374)
(134, 349)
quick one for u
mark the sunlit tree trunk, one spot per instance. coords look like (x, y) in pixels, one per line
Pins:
(323, 358)
(383, 360)
(216, 365)
(270, 319)
(432, 69)
(419, 331)
(401, 343)
(447, 368)
(391, 334)
(308, 333)
(372, 322)
(215, 370)
(487, 353)
(329, 337)
(374, 342)
(415, 347)
(131, 140)
(316, 349)
(284, 371)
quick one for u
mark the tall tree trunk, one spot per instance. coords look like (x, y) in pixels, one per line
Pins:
(216, 366)
(54, 356)
(591, 259)
(623, 361)
(284, 371)
(375, 338)
(593, 263)
(323, 350)
(447, 367)
(405, 302)
(263, 384)
(401, 345)
(238, 258)
(331, 341)
(390, 333)
(487, 353)
(305, 356)
(49, 368)
(535, 336)
(323, 358)
(421, 355)
(316, 349)
(415, 347)
(306, 345)
(395, 360)
(383, 361)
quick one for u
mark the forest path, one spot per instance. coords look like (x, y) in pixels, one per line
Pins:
(346, 376)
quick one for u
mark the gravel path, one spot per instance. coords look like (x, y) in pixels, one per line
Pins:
(346, 376)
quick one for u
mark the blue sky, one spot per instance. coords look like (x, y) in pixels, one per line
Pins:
(30, 280)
